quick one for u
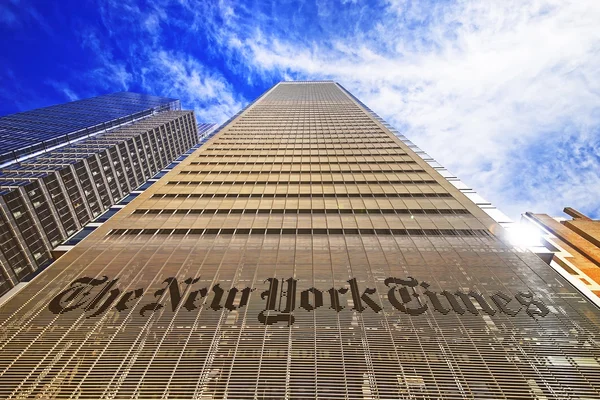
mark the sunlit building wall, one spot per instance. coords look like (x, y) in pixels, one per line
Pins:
(574, 246)
(304, 251)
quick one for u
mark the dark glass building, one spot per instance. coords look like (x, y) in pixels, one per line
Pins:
(205, 132)
(39, 130)
(305, 251)
(77, 160)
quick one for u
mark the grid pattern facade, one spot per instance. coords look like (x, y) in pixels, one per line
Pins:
(47, 198)
(311, 255)
(205, 132)
(30, 132)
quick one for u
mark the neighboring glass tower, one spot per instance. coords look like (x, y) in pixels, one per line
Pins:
(40, 130)
(75, 161)
(205, 132)
(303, 252)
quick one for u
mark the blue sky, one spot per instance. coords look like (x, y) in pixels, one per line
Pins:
(505, 94)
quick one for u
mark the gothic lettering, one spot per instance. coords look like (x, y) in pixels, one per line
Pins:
(81, 286)
(305, 299)
(112, 296)
(466, 301)
(122, 304)
(437, 304)
(280, 299)
(272, 297)
(357, 298)
(404, 295)
(174, 294)
(216, 302)
(334, 294)
(231, 298)
(501, 300)
(526, 299)
(190, 301)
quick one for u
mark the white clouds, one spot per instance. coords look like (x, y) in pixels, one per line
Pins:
(490, 89)
(184, 77)
(108, 72)
(161, 57)
(7, 17)
(506, 94)
(226, 10)
(64, 89)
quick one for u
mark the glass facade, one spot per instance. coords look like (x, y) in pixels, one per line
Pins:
(30, 132)
(205, 132)
(48, 197)
(303, 252)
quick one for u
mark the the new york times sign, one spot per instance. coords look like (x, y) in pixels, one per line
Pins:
(282, 299)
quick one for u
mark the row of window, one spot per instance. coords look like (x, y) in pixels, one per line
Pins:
(331, 162)
(289, 139)
(307, 153)
(340, 171)
(306, 231)
(300, 211)
(238, 134)
(306, 146)
(308, 182)
(292, 195)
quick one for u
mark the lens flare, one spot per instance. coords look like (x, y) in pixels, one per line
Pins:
(524, 235)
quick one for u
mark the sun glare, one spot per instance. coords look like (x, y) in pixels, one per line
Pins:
(524, 235)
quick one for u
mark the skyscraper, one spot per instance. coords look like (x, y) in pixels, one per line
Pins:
(303, 252)
(574, 246)
(205, 132)
(42, 129)
(72, 161)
